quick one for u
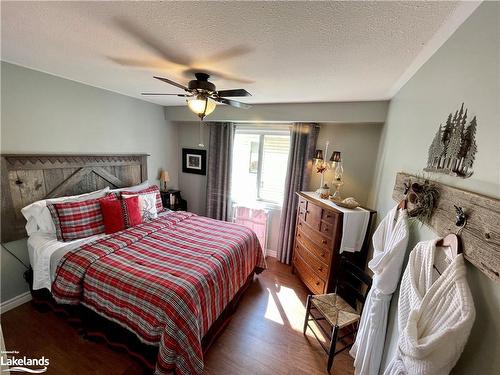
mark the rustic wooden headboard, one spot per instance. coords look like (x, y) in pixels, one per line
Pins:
(28, 178)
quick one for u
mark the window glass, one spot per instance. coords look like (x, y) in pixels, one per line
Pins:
(274, 167)
(259, 166)
(243, 179)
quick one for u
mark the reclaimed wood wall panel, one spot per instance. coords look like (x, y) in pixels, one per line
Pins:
(28, 178)
(480, 237)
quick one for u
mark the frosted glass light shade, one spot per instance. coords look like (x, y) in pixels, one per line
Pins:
(201, 106)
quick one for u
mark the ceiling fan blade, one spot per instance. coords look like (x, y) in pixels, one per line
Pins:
(156, 93)
(228, 53)
(233, 103)
(233, 93)
(150, 64)
(153, 43)
(166, 80)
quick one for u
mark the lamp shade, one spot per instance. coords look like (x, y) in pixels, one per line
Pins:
(318, 155)
(164, 177)
(336, 157)
(201, 105)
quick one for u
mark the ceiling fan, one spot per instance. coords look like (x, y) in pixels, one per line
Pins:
(202, 95)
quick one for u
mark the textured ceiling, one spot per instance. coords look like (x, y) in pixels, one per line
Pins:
(279, 51)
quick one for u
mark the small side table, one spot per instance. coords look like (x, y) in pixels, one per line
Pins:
(173, 196)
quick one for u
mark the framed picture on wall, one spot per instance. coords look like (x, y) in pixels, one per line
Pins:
(194, 161)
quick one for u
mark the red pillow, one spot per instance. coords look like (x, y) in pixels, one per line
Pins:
(149, 190)
(120, 214)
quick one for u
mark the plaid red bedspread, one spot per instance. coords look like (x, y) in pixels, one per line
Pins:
(166, 281)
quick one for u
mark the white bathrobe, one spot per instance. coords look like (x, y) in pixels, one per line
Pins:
(390, 241)
(436, 313)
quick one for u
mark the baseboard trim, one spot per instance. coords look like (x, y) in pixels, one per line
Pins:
(271, 253)
(14, 302)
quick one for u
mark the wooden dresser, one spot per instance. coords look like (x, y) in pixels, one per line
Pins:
(318, 236)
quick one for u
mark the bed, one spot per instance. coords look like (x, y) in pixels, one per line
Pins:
(168, 281)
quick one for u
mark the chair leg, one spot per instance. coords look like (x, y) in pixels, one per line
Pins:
(333, 345)
(308, 309)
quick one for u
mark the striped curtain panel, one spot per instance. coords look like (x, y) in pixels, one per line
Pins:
(220, 151)
(302, 147)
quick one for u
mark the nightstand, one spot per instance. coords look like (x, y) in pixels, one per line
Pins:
(174, 196)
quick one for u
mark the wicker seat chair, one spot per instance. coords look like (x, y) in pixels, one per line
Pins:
(340, 310)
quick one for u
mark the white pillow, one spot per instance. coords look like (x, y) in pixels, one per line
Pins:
(141, 186)
(38, 215)
(147, 205)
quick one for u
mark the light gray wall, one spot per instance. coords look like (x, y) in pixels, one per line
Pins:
(192, 186)
(341, 112)
(359, 145)
(42, 113)
(464, 69)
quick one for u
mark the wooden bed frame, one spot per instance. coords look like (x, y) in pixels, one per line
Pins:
(28, 178)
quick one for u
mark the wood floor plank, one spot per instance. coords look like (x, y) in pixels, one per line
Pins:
(264, 337)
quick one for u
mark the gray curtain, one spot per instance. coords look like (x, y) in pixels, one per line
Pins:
(220, 150)
(302, 147)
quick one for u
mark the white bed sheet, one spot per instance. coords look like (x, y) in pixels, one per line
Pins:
(45, 251)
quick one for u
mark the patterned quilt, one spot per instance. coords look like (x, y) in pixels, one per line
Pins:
(166, 281)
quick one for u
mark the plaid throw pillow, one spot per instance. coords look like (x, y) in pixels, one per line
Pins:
(74, 220)
(152, 189)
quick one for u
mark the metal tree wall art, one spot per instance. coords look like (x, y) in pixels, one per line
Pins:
(454, 147)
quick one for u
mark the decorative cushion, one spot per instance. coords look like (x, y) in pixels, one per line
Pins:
(147, 204)
(152, 189)
(120, 214)
(74, 220)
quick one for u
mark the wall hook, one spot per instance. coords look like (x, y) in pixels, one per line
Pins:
(460, 218)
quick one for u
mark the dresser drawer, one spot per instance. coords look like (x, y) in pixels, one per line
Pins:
(326, 228)
(323, 241)
(302, 203)
(313, 215)
(320, 268)
(322, 252)
(312, 281)
(329, 216)
(301, 212)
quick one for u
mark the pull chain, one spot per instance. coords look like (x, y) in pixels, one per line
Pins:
(201, 144)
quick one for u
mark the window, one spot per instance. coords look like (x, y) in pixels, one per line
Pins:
(260, 159)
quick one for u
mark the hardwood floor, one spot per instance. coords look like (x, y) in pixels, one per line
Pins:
(264, 336)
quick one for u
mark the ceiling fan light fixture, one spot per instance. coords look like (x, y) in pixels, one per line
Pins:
(201, 105)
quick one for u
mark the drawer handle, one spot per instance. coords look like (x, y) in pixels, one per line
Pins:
(307, 211)
(328, 216)
(300, 224)
(317, 283)
(298, 235)
(323, 254)
(326, 229)
(320, 269)
(324, 242)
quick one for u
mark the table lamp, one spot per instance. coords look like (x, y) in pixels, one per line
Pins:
(164, 178)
